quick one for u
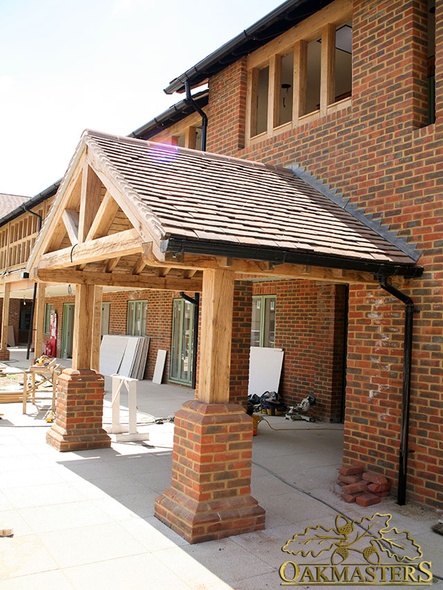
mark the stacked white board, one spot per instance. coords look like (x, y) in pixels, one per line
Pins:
(124, 355)
(265, 366)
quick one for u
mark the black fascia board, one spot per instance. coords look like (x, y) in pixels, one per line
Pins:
(30, 203)
(280, 20)
(173, 115)
(178, 246)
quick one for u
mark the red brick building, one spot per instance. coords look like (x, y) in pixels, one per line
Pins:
(364, 118)
(348, 93)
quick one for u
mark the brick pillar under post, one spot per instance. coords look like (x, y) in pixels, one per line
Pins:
(79, 412)
(210, 493)
(80, 390)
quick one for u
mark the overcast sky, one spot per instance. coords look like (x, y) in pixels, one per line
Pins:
(69, 65)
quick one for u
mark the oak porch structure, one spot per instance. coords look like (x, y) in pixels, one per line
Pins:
(134, 214)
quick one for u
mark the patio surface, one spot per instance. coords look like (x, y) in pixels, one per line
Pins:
(85, 520)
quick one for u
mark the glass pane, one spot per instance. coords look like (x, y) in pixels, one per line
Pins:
(269, 322)
(313, 76)
(286, 89)
(261, 101)
(343, 62)
(175, 345)
(256, 321)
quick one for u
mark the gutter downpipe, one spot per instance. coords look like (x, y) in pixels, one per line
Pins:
(200, 111)
(34, 296)
(410, 309)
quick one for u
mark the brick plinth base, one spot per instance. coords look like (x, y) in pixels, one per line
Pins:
(79, 412)
(209, 497)
(4, 354)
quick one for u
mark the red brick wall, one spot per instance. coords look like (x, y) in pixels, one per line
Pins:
(310, 329)
(241, 342)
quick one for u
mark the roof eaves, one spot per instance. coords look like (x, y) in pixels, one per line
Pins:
(272, 25)
(30, 203)
(174, 114)
(337, 198)
(178, 246)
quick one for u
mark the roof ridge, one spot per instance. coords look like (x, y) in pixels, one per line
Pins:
(196, 153)
(367, 219)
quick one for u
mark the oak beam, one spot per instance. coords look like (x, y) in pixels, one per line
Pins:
(71, 221)
(76, 277)
(90, 200)
(104, 218)
(216, 335)
(125, 243)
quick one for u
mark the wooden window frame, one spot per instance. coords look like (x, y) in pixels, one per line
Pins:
(320, 25)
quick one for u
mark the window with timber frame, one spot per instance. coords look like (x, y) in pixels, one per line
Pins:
(307, 71)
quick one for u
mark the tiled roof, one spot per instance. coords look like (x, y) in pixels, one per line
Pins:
(191, 195)
(10, 202)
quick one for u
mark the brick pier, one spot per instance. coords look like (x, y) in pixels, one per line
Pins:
(79, 412)
(209, 497)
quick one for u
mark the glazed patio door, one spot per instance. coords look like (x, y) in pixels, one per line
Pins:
(182, 348)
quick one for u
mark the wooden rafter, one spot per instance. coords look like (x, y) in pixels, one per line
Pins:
(139, 266)
(71, 221)
(90, 200)
(104, 218)
(254, 268)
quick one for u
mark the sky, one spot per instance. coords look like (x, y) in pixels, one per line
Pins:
(71, 65)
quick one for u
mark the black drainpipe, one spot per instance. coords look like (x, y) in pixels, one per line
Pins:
(410, 309)
(34, 296)
(196, 108)
(196, 303)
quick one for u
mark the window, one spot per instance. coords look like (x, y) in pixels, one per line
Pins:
(190, 138)
(263, 321)
(47, 321)
(137, 314)
(306, 70)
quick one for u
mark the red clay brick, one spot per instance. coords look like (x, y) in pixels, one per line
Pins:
(349, 497)
(367, 499)
(351, 470)
(376, 488)
(375, 478)
(355, 488)
(347, 479)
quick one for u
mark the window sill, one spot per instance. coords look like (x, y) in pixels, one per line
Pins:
(293, 125)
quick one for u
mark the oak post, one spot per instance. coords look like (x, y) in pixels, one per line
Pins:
(4, 352)
(216, 334)
(83, 322)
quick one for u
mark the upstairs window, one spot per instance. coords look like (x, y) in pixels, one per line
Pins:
(309, 74)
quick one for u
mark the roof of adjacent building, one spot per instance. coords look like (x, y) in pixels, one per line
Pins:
(10, 202)
(212, 203)
(284, 17)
